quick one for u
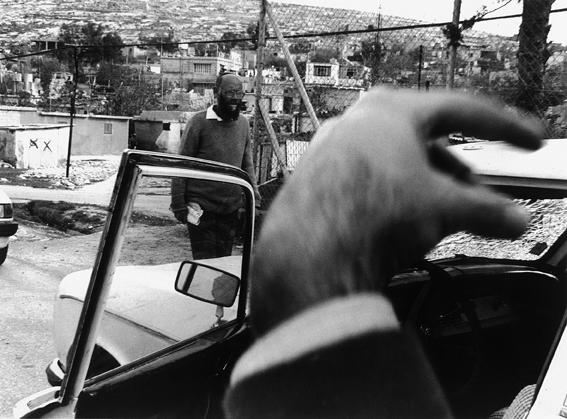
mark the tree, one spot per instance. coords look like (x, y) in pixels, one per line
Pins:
(252, 31)
(533, 54)
(371, 51)
(232, 37)
(94, 46)
(131, 92)
(301, 67)
(7, 84)
(300, 47)
(397, 59)
(15, 48)
(112, 48)
(132, 100)
(44, 69)
(114, 75)
(324, 55)
(24, 98)
(164, 41)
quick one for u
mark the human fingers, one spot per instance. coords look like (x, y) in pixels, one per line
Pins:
(483, 118)
(481, 211)
(437, 114)
(445, 161)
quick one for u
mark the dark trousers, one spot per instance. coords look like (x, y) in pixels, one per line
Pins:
(214, 235)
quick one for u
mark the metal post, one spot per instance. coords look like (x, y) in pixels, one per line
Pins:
(71, 119)
(259, 81)
(420, 66)
(454, 46)
(293, 68)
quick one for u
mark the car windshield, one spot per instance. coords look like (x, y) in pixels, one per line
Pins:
(548, 222)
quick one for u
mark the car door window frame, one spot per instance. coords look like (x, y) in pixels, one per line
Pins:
(135, 165)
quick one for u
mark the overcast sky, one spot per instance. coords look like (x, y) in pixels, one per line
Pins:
(442, 11)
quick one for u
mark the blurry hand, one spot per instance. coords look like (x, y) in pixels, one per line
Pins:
(374, 193)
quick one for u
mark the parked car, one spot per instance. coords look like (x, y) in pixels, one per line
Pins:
(7, 225)
(489, 313)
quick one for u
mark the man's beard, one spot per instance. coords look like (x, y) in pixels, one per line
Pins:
(229, 108)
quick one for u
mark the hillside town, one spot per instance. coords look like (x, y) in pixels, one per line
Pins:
(179, 65)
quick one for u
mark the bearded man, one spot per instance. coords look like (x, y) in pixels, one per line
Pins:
(211, 209)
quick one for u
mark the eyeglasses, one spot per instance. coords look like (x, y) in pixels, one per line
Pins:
(233, 94)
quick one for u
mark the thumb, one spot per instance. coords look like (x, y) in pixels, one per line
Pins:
(481, 211)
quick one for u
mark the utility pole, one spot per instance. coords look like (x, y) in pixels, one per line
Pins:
(453, 46)
(161, 68)
(258, 81)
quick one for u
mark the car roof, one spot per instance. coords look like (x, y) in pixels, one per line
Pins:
(501, 159)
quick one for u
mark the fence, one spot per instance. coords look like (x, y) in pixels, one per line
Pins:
(339, 54)
(312, 63)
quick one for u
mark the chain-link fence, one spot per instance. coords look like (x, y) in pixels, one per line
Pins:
(339, 54)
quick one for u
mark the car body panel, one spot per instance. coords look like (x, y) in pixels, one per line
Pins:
(499, 158)
(8, 227)
(138, 296)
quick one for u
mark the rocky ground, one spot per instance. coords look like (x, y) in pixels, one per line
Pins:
(82, 171)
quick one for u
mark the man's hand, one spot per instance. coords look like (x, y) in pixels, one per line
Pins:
(374, 193)
(181, 215)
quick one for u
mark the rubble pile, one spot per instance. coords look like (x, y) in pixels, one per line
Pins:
(81, 172)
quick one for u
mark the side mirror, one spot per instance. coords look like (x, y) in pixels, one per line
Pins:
(207, 284)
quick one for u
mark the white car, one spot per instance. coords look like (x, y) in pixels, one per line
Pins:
(7, 225)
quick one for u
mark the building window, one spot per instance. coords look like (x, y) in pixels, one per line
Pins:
(322, 71)
(166, 126)
(107, 128)
(351, 72)
(203, 68)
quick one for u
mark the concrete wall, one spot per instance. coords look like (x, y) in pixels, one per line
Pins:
(12, 115)
(169, 140)
(339, 99)
(160, 130)
(147, 132)
(34, 146)
(95, 135)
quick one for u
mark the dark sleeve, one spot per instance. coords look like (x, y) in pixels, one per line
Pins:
(178, 186)
(188, 146)
(378, 375)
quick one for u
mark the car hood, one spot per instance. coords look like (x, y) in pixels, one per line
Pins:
(499, 158)
(141, 294)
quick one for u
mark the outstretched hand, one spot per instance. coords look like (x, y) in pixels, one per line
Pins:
(374, 193)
